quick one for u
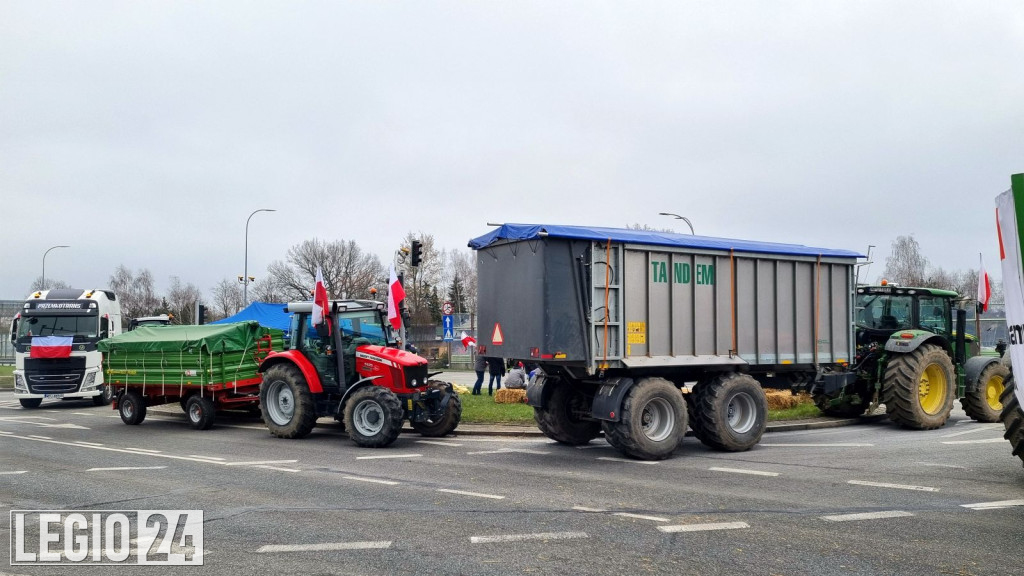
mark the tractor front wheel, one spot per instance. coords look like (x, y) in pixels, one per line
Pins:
(447, 422)
(919, 388)
(982, 402)
(373, 417)
(286, 402)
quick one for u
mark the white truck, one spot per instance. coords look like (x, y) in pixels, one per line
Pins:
(54, 338)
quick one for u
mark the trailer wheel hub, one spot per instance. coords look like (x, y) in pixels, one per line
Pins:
(742, 413)
(657, 419)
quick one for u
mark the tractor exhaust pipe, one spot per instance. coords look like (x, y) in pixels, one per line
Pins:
(961, 336)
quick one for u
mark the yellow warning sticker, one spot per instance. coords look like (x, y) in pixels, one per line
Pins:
(636, 333)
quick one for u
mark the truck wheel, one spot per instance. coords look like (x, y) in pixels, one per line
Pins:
(919, 388)
(31, 402)
(1013, 419)
(286, 402)
(448, 421)
(373, 417)
(730, 412)
(982, 402)
(653, 421)
(201, 412)
(565, 416)
(132, 408)
(105, 396)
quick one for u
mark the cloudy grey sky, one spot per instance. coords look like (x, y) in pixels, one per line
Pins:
(144, 133)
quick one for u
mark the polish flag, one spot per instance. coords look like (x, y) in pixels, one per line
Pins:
(984, 286)
(467, 340)
(395, 296)
(51, 347)
(320, 303)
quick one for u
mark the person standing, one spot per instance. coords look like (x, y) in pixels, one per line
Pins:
(496, 366)
(479, 365)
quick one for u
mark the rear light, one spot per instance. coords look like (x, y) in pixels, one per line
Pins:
(907, 336)
(481, 349)
(534, 352)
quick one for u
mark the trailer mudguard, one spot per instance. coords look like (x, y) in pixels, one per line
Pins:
(973, 369)
(608, 400)
(301, 362)
(536, 394)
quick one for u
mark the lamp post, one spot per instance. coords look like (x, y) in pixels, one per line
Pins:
(678, 217)
(245, 277)
(43, 287)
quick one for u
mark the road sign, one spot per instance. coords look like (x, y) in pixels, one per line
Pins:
(447, 308)
(449, 328)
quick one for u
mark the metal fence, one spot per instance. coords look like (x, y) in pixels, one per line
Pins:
(8, 308)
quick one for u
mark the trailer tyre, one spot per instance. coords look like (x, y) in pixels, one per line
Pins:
(286, 402)
(200, 411)
(132, 408)
(1013, 419)
(730, 412)
(105, 397)
(373, 417)
(653, 421)
(30, 402)
(919, 388)
(564, 416)
(983, 401)
(448, 421)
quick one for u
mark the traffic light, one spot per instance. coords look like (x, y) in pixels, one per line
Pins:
(417, 253)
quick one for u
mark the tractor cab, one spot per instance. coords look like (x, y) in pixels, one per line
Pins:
(881, 311)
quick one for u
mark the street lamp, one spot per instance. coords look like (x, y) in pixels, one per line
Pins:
(678, 217)
(43, 287)
(246, 279)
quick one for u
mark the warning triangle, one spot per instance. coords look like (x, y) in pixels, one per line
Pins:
(497, 339)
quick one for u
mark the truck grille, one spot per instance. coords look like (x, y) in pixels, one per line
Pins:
(54, 375)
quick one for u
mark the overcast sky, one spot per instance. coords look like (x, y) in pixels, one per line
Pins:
(144, 133)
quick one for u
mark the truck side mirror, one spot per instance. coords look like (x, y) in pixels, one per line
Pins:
(14, 328)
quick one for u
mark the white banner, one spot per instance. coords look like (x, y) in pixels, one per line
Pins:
(1013, 284)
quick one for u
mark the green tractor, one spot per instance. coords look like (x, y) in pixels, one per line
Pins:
(910, 358)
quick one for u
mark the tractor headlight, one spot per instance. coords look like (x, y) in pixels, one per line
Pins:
(414, 383)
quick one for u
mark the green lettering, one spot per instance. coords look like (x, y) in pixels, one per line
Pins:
(682, 273)
(662, 274)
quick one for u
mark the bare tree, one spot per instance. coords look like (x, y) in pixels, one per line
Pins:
(906, 265)
(182, 300)
(227, 297)
(51, 284)
(421, 281)
(269, 290)
(135, 292)
(348, 271)
(461, 265)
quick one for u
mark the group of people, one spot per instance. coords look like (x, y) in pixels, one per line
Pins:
(515, 377)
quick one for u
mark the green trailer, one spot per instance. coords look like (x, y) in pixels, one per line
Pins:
(204, 368)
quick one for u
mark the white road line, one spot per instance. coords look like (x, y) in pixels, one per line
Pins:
(867, 516)
(897, 486)
(438, 443)
(610, 459)
(704, 527)
(832, 445)
(82, 413)
(585, 509)
(13, 472)
(973, 429)
(258, 462)
(985, 441)
(83, 442)
(938, 465)
(640, 516)
(328, 546)
(388, 456)
(510, 451)
(994, 505)
(6, 433)
(742, 471)
(476, 494)
(373, 480)
(143, 450)
(278, 468)
(126, 468)
(40, 437)
(205, 457)
(521, 537)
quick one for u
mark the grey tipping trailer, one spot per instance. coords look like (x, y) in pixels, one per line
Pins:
(619, 320)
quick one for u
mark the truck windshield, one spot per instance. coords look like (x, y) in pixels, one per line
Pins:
(82, 327)
(884, 312)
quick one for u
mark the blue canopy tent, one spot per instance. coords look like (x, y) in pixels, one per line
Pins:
(267, 314)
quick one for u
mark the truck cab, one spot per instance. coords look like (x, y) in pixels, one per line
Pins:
(161, 320)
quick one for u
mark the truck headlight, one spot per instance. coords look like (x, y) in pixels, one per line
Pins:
(19, 383)
(90, 381)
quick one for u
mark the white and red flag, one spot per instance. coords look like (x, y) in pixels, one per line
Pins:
(984, 285)
(320, 303)
(395, 296)
(467, 340)
(51, 347)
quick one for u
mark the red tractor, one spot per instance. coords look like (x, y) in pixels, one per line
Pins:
(350, 368)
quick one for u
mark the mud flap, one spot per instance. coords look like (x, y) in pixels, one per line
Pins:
(608, 400)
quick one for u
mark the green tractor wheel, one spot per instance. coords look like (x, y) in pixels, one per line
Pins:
(982, 402)
(1013, 419)
(919, 388)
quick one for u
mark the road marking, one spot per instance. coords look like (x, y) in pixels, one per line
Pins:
(438, 443)
(40, 437)
(610, 459)
(83, 442)
(386, 456)
(742, 471)
(973, 429)
(328, 546)
(510, 451)
(476, 494)
(143, 450)
(82, 413)
(704, 527)
(938, 465)
(6, 433)
(205, 457)
(585, 509)
(278, 468)
(994, 505)
(521, 537)
(985, 441)
(373, 480)
(13, 472)
(897, 486)
(640, 516)
(126, 468)
(832, 445)
(867, 516)
(254, 463)
(591, 446)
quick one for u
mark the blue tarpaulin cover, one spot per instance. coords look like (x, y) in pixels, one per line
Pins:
(267, 314)
(515, 232)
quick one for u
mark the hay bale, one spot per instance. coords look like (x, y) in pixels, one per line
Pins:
(510, 396)
(780, 399)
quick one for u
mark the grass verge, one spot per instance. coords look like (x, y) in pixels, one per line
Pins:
(6, 376)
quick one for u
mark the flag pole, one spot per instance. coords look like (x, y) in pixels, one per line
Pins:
(978, 306)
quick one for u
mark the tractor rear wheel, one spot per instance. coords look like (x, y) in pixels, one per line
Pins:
(1013, 419)
(563, 418)
(286, 402)
(105, 396)
(653, 421)
(982, 402)
(200, 411)
(373, 417)
(132, 408)
(919, 388)
(730, 412)
(447, 422)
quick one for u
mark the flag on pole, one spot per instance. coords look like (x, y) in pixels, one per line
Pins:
(395, 296)
(984, 285)
(467, 340)
(320, 303)
(51, 347)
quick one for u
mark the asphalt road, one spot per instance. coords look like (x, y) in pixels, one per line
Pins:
(864, 499)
